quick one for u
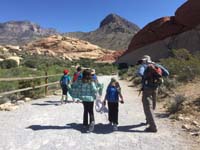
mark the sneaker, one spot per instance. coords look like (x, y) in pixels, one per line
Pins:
(115, 127)
(110, 123)
(91, 127)
(150, 130)
(84, 129)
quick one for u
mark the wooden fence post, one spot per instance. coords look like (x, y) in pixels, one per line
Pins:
(46, 82)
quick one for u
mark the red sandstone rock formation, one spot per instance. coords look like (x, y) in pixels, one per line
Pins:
(187, 16)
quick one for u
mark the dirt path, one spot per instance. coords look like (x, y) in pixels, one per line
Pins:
(44, 125)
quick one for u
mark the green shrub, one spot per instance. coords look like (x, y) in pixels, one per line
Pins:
(8, 63)
(182, 66)
(35, 93)
(123, 72)
(3, 100)
(181, 54)
(170, 83)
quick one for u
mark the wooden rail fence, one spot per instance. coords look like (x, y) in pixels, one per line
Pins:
(46, 85)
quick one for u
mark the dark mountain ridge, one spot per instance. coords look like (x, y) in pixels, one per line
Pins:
(114, 33)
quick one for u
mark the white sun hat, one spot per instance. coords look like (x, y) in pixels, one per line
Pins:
(147, 58)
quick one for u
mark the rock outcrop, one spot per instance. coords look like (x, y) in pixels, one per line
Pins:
(10, 52)
(110, 33)
(59, 46)
(112, 57)
(162, 35)
(189, 13)
(65, 47)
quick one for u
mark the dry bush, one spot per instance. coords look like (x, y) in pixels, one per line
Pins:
(176, 104)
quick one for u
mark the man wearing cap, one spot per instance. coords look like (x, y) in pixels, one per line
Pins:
(149, 93)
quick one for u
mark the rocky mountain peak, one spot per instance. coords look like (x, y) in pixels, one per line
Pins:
(117, 20)
(20, 32)
(110, 33)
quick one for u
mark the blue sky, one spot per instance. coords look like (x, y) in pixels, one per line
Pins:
(85, 15)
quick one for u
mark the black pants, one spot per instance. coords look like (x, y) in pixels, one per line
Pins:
(88, 109)
(64, 89)
(113, 112)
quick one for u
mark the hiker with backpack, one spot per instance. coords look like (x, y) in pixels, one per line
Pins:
(113, 93)
(86, 90)
(151, 74)
(65, 83)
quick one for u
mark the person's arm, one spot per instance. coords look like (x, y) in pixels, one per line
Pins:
(120, 96)
(61, 81)
(69, 79)
(94, 88)
(140, 71)
(105, 98)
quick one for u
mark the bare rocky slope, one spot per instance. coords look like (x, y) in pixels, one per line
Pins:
(159, 37)
(113, 33)
(21, 32)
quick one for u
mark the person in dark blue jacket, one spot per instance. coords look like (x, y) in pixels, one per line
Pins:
(113, 93)
(65, 83)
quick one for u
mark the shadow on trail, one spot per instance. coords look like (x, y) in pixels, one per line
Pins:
(48, 127)
(43, 104)
(48, 103)
(106, 128)
(131, 128)
(162, 115)
(99, 128)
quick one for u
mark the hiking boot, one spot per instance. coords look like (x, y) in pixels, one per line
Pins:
(115, 127)
(150, 130)
(91, 127)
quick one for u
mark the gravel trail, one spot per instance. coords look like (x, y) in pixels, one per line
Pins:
(44, 125)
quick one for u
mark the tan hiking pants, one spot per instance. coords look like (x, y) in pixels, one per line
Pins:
(149, 97)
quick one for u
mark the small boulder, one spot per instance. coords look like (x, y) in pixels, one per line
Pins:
(27, 99)
(195, 123)
(186, 127)
(20, 102)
